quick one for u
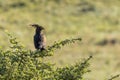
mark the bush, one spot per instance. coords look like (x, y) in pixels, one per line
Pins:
(18, 63)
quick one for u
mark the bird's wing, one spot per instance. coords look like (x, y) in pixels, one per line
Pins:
(43, 41)
(36, 41)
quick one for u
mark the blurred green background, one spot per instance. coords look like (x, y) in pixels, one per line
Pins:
(97, 22)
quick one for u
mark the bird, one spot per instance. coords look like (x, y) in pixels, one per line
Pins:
(39, 37)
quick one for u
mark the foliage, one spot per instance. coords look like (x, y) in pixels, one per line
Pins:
(116, 76)
(75, 72)
(20, 63)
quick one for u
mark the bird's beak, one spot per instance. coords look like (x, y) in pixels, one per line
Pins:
(31, 25)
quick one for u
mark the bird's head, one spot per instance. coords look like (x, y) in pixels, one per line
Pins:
(38, 27)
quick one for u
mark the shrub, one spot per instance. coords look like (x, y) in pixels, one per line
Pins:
(18, 63)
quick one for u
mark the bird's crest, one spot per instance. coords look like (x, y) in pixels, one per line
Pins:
(37, 26)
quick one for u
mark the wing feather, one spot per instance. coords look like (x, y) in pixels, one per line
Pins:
(42, 41)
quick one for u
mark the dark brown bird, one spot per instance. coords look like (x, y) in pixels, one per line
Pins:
(39, 37)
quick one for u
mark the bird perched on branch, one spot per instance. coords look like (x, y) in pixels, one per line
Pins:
(39, 37)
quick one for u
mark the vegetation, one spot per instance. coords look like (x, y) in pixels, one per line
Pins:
(17, 63)
(95, 21)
